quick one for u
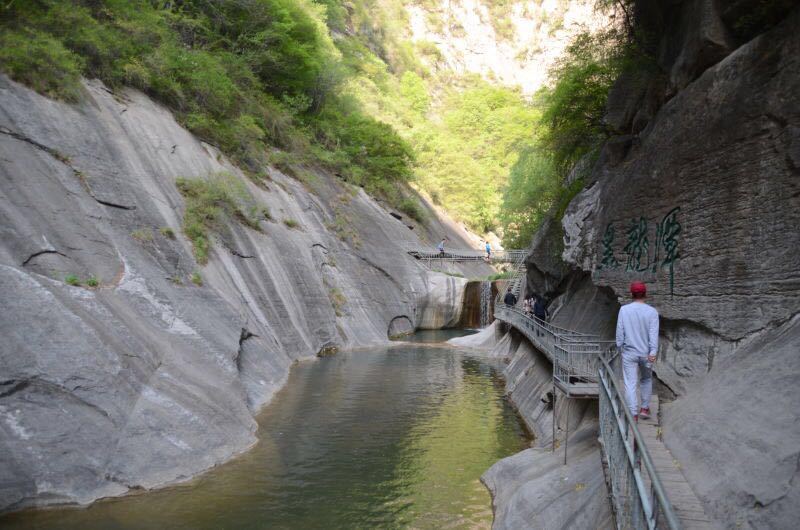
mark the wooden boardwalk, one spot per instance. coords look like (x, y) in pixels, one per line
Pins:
(684, 501)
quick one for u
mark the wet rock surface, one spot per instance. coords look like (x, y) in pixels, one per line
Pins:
(149, 378)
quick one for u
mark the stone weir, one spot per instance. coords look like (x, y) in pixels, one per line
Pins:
(126, 364)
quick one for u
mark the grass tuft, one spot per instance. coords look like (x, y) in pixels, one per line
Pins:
(338, 300)
(142, 235)
(208, 204)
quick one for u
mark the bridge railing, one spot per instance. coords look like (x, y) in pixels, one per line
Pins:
(576, 359)
(630, 467)
(459, 254)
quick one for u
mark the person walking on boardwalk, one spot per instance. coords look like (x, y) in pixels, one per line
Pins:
(539, 307)
(488, 250)
(509, 298)
(440, 246)
(637, 341)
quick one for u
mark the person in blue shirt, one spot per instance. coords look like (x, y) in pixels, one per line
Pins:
(488, 250)
(637, 341)
(440, 246)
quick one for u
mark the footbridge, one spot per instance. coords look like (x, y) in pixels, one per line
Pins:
(642, 476)
(465, 255)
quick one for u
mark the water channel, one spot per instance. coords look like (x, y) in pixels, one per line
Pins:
(390, 437)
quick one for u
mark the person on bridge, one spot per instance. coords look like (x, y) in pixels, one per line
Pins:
(510, 298)
(539, 307)
(488, 250)
(440, 246)
(637, 341)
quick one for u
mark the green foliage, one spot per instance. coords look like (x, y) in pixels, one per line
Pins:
(142, 235)
(565, 196)
(41, 62)
(414, 92)
(574, 106)
(364, 151)
(291, 223)
(92, 281)
(532, 187)
(71, 279)
(238, 74)
(338, 300)
(266, 82)
(167, 232)
(505, 275)
(572, 127)
(197, 279)
(463, 159)
(411, 207)
(211, 202)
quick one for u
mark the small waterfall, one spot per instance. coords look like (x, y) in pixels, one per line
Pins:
(486, 303)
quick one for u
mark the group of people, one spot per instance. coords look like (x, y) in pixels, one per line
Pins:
(637, 342)
(535, 306)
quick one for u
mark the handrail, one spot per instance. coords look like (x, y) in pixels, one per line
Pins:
(582, 357)
(544, 324)
(625, 457)
(464, 254)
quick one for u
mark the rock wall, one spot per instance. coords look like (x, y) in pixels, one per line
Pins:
(514, 43)
(148, 379)
(699, 196)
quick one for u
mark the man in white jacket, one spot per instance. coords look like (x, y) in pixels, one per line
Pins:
(637, 340)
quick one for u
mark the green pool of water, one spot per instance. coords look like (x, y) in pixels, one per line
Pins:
(395, 437)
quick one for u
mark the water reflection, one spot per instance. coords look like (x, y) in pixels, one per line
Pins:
(392, 438)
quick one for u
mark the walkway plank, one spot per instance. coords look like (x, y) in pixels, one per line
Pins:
(687, 506)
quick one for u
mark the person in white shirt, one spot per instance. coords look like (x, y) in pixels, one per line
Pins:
(637, 341)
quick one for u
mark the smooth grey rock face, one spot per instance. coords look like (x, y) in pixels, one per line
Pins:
(705, 207)
(149, 379)
(737, 433)
(534, 489)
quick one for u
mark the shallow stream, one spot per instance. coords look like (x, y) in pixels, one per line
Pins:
(391, 437)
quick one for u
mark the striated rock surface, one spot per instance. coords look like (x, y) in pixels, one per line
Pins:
(699, 197)
(534, 489)
(148, 378)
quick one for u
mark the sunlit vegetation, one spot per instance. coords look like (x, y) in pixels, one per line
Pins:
(571, 130)
(240, 74)
(210, 202)
(334, 85)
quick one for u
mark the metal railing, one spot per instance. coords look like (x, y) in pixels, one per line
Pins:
(576, 360)
(581, 364)
(464, 255)
(630, 467)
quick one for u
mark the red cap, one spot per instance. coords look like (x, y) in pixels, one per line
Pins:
(638, 288)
